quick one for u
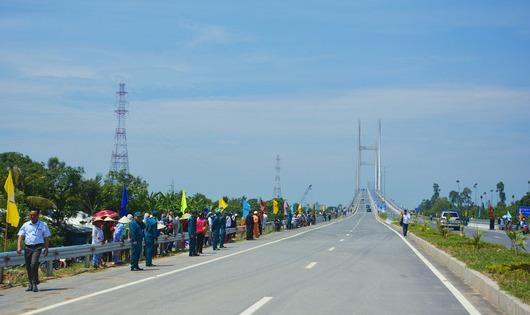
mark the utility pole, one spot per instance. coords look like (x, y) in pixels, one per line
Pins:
(277, 191)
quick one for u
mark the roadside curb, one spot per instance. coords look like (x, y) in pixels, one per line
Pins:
(478, 281)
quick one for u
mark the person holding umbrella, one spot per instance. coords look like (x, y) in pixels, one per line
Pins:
(137, 236)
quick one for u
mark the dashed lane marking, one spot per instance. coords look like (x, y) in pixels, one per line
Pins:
(310, 265)
(264, 300)
(84, 297)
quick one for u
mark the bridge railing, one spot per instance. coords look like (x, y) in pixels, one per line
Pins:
(8, 259)
(395, 210)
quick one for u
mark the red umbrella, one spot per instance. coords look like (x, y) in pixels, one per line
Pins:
(106, 213)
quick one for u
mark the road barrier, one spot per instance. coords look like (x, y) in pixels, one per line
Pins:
(8, 259)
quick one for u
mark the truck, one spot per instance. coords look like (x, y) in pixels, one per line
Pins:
(451, 219)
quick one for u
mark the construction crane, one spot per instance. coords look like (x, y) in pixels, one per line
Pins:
(305, 194)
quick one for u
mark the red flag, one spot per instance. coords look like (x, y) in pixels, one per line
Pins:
(262, 206)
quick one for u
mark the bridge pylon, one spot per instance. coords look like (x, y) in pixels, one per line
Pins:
(376, 162)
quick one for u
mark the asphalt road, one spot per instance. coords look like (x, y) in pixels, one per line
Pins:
(354, 265)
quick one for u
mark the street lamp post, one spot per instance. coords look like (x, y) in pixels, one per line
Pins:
(480, 208)
(496, 196)
(491, 195)
(475, 188)
(458, 185)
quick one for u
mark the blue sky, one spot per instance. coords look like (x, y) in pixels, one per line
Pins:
(217, 89)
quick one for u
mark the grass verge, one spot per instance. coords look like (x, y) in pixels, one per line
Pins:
(510, 270)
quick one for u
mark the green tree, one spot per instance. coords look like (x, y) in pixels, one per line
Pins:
(91, 195)
(137, 193)
(454, 198)
(441, 204)
(436, 194)
(502, 194)
(465, 197)
(64, 190)
(425, 205)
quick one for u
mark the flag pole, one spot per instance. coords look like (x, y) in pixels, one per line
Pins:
(5, 248)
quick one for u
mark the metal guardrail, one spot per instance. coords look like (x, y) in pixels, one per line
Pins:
(13, 259)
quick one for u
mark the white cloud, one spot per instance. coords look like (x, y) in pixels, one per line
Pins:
(204, 34)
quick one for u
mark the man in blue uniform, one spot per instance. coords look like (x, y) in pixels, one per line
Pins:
(35, 235)
(192, 233)
(136, 230)
(222, 232)
(151, 233)
(216, 227)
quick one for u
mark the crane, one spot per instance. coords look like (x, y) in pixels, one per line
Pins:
(305, 194)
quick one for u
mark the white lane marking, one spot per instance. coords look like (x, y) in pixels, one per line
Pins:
(461, 298)
(341, 240)
(348, 234)
(331, 249)
(84, 297)
(310, 265)
(256, 306)
(351, 231)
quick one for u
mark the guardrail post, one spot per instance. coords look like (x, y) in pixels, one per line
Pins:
(49, 268)
(87, 261)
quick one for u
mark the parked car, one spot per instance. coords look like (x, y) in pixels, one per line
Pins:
(451, 219)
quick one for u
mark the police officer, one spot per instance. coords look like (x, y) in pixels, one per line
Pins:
(216, 228)
(35, 235)
(151, 233)
(192, 233)
(222, 231)
(136, 228)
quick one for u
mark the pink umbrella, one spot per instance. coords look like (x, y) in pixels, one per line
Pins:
(106, 213)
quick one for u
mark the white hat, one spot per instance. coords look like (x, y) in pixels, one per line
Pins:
(125, 219)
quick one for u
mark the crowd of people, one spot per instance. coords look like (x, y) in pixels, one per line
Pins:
(143, 231)
(204, 229)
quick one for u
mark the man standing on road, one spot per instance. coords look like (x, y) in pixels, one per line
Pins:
(35, 234)
(136, 228)
(222, 232)
(216, 228)
(150, 238)
(192, 233)
(491, 213)
(406, 221)
(249, 225)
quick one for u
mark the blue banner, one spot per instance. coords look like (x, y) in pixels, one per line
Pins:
(124, 201)
(525, 210)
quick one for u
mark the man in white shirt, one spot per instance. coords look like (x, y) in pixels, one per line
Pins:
(406, 221)
(35, 235)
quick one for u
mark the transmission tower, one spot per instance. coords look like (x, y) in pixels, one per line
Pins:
(120, 155)
(277, 192)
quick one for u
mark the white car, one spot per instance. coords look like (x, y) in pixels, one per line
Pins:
(450, 219)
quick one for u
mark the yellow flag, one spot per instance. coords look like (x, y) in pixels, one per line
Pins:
(299, 208)
(183, 202)
(12, 216)
(275, 206)
(222, 204)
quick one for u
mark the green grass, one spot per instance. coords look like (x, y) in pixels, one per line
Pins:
(510, 270)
